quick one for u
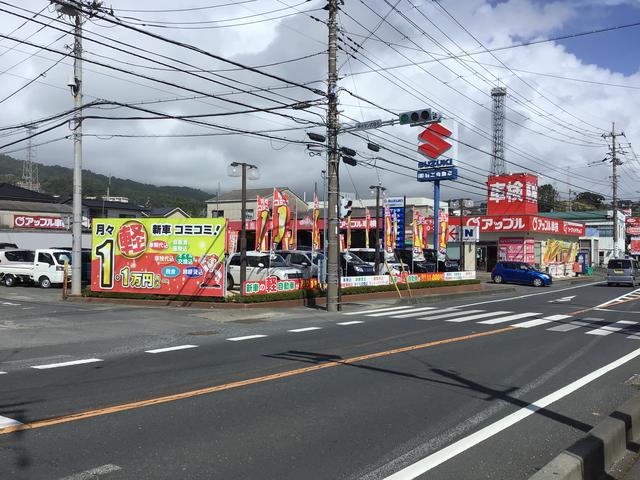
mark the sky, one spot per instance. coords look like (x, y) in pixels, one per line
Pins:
(395, 56)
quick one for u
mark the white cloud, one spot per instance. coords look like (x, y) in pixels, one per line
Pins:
(201, 161)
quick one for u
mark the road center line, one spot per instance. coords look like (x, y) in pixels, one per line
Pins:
(352, 322)
(248, 337)
(305, 329)
(67, 364)
(241, 383)
(94, 472)
(170, 349)
(464, 444)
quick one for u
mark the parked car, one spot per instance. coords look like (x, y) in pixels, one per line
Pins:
(260, 265)
(353, 266)
(519, 272)
(623, 270)
(444, 264)
(305, 260)
(43, 266)
(416, 266)
(369, 255)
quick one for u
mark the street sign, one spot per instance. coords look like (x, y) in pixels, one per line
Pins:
(470, 234)
(452, 233)
(370, 125)
(447, 173)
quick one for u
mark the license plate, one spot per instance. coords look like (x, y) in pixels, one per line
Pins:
(619, 272)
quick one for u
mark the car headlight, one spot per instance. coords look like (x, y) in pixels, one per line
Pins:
(358, 269)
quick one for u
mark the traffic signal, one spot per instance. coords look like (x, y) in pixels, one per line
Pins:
(419, 117)
(350, 161)
(349, 152)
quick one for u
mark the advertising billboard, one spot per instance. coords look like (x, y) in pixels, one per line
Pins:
(510, 194)
(166, 256)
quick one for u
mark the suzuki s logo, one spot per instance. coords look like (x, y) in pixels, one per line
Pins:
(434, 145)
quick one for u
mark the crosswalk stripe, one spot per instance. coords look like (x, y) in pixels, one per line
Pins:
(508, 318)
(475, 317)
(387, 309)
(387, 313)
(583, 322)
(609, 329)
(448, 315)
(540, 321)
(416, 312)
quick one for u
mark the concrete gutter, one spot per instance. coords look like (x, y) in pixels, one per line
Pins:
(593, 456)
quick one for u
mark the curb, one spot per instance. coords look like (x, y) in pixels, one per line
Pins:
(453, 296)
(591, 457)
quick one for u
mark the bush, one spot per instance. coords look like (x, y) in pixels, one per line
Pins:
(274, 297)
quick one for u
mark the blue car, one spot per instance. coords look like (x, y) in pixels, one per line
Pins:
(519, 272)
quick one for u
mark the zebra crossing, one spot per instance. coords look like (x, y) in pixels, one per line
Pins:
(596, 326)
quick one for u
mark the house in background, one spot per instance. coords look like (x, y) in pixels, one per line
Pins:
(168, 212)
(229, 205)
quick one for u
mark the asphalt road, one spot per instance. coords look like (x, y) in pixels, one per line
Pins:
(474, 388)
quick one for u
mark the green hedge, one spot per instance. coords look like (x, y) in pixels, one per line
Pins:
(272, 297)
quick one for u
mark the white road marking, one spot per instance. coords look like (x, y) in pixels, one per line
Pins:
(619, 298)
(67, 364)
(171, 349)
(540, 321)
(563, 299)
(462, 445)
(475, 317)
(8, 422)
(414, 312)
(387, 313)
(28, 308)
(248, 337)
(3, 373)
(353, 322)
(307, 329)
(449, 314)
(94, 473)
(508, 318)
(609, 329)
(387, 309)
(11, 304)
(583, 322)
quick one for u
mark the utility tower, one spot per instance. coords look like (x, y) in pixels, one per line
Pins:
(498, 95)
(29, 167)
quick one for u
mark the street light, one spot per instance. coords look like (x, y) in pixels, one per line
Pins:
(377, 188)
(237, 169)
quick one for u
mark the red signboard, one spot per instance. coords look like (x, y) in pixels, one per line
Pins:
(633, 225)
(512, 194)
(634, 248)
(522, 223)
(273, 285)
(434, 145)
(516, 249)
(35, 221)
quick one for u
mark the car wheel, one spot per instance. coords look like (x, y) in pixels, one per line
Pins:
(44, 282)
(9, 280)
(230, 283)
(497, 279)
(537, 282)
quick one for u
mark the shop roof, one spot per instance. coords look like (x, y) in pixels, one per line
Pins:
(252, 194)
(13, 192)
(579, 216)
(44, 207)
(97, 203)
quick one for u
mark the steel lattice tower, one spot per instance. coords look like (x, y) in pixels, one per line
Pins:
(498, 95)
(29, 167)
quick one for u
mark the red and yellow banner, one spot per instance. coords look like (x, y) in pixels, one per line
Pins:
(315, 233)
(280, 217)
(262, 223)
(388, 230)
(367, 222)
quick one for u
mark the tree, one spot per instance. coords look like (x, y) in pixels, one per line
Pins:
(593, 200)
(547, 198)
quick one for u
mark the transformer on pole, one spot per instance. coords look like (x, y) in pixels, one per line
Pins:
(498, 95)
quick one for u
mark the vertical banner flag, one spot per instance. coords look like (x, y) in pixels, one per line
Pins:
(294, 230)
(367, 217)
(394, 240)
(341, 242)
(444, 222)
(315, 234)
(262, 223)
(388, 229)
(349, 232)
(279, 218)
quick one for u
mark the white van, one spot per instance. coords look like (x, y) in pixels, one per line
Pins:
(43, 266)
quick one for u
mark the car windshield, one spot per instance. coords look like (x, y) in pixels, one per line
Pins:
(619, 264)
(62, 257)
(276, 260)
(351, 258)
(318, 257)
(367, 256)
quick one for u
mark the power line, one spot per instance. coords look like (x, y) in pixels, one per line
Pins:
(192, 9)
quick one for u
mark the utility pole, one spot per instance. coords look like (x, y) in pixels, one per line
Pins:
(76, 90)
(461, 205)
(378, 188)
(333, 244)
(614, 179)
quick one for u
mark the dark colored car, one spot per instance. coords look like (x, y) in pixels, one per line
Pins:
(519, 272)
(415, 266)
(7, 246)
(353, 266)
(446, 265)
(305, 260)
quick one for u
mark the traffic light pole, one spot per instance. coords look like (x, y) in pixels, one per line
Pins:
(333, 245)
